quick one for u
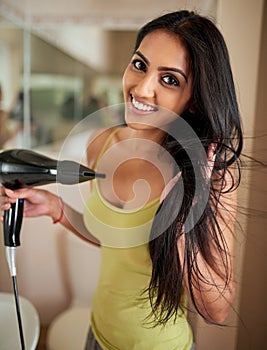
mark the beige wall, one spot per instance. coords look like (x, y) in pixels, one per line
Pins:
(253, 302)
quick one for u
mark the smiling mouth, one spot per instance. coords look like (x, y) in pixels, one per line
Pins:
(142, 107)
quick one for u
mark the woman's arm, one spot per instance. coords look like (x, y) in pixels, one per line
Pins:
(213, 286)
(212, 283)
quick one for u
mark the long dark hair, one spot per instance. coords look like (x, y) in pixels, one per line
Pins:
(215, 120)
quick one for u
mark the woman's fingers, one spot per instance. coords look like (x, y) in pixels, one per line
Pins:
(20, 193)
(5, 204)
(211, 152)
(9, 196)
(211, 155)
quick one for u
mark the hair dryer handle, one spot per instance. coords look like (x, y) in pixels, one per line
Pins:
(12, 223)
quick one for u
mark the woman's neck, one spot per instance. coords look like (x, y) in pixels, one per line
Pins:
(154, 135)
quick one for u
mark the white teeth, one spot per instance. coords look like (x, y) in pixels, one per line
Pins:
(141, 106)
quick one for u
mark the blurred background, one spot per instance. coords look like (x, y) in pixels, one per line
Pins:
(62, 60)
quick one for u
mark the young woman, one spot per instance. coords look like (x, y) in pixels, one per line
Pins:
(164, 216)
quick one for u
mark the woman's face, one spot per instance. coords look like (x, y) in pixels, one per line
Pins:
(158, 79)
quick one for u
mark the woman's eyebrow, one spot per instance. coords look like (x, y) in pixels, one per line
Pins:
(177, 70)
(142, 56)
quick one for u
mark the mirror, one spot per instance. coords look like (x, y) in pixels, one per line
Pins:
(47, 87)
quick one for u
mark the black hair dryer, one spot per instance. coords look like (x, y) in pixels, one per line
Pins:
(23, 168)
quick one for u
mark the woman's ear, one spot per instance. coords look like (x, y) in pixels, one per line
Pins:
(192, 108)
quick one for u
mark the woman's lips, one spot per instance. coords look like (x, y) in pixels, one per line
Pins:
(141, 106)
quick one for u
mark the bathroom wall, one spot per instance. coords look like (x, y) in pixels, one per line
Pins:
(253, 302)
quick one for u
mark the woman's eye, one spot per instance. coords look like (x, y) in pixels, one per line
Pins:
(170, 80)
(139, 65)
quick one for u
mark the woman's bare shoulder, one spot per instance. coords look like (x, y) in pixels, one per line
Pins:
(95, 144)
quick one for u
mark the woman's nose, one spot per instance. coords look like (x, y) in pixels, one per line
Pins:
(146, 86)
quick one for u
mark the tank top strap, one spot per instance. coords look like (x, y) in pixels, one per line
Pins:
(106, 144)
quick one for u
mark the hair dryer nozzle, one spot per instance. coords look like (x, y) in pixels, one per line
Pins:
(69, 172)
(100, 175)
(22, 168)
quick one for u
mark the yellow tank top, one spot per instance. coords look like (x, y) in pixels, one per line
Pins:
(120, 308)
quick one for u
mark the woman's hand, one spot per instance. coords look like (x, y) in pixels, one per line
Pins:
(36, 202)
(210, 160)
